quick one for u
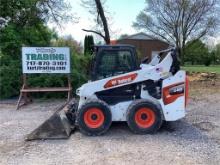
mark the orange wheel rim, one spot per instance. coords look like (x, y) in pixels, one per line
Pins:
(145, 117)
(94, 117)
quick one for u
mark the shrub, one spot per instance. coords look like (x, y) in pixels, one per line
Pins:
(10, 81)
(207, 61)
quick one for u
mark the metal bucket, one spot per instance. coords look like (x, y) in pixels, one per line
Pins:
(58, 126)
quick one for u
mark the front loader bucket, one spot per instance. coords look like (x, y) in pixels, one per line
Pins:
(56, 127)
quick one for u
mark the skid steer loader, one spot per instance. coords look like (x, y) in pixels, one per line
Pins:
(119, 90)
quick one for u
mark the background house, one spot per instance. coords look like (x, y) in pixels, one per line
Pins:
(145, 44)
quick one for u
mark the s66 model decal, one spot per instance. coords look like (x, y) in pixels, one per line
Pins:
(172, 92)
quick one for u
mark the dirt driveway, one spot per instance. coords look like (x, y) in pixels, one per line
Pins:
(193, 140)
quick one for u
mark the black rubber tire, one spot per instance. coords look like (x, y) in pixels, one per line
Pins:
(132, 109)
(94, 131)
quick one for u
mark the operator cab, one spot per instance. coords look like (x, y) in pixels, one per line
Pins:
(113, 60)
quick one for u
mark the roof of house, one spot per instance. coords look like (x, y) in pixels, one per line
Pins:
(140, 36)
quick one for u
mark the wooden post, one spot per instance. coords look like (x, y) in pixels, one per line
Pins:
(25, 87)
(21, 93)
(70, 88)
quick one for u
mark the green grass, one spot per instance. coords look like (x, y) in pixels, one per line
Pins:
(201, 68)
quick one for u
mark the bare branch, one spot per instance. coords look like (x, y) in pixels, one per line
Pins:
(93, 31)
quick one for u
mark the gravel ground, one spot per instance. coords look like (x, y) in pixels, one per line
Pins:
(192, 140)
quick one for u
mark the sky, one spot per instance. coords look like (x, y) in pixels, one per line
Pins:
(122, 12)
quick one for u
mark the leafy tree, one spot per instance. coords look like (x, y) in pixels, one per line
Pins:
(12, 38)
(179, 21)
(10, 80)
(91, 44)
(68, 41)
(22, 23)
(88, 44)
(23, 12)
(216, 54)
(197, 52)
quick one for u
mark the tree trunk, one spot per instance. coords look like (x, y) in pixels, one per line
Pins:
(104, 21)
(182, 56)
(179, 54)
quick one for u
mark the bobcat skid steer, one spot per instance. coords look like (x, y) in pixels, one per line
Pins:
(119, 90)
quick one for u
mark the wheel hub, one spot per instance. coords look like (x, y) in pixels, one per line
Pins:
(94, 116)
(144, 116)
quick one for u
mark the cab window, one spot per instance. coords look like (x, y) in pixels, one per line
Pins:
(114, 62)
